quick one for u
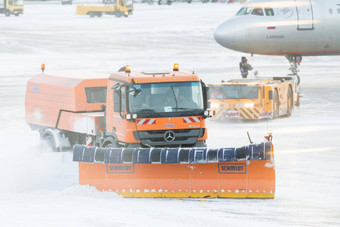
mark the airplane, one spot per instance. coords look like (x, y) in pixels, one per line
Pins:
(293, 28)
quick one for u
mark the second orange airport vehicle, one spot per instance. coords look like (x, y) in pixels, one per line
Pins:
(144, 135)
(254, 99)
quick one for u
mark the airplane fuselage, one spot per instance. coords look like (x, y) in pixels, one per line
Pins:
(291, 27)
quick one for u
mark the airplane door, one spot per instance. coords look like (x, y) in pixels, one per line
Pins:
(304, 14)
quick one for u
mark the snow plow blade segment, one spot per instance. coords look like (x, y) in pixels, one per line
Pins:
(245, 172)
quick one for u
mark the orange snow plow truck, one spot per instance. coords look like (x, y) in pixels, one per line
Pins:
(127, 109)
(144, 135)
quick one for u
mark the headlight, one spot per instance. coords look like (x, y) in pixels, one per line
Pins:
(214, 105)
(134, 116)
(249, 105)
(128, 116)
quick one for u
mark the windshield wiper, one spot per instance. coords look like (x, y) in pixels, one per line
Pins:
(147, 111)
(188, 110)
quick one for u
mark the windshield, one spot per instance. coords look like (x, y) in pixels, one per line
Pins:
(167, 99)
(129, 3)
(19, 2)
(244, 11)
(234, 92)
(257, 11)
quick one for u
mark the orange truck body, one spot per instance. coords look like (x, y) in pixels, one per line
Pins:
(54, 101)
(246, 172)
(253, 99)
(74, 108)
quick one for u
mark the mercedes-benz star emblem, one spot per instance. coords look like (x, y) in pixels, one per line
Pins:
(169, 136)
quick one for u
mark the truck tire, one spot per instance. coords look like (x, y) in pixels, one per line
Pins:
(118, 13)
(99, 14)
(159, 2)
(110, 143)
(92, 14)
(49, 141)
(289, 101)
(168, 2)
(7, 13)
(189, 1)
(276, 105)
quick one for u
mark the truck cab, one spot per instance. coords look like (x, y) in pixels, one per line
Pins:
(150, 109)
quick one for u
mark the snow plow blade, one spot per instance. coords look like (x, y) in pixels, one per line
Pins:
(245, 172)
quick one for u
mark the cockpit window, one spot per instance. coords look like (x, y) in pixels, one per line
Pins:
(269, 11)
(257, 11)
(244, 11)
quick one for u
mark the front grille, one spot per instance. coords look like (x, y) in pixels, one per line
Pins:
(155, 138)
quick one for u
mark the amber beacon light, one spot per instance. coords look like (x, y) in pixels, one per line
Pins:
(176, 67)
(128, 69)
(42, 67)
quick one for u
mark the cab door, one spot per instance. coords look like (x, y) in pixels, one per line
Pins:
(304, 14)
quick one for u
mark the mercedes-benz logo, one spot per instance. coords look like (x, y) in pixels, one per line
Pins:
(169, 136)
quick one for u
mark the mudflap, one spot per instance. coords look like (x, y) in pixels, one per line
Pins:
(245, 172)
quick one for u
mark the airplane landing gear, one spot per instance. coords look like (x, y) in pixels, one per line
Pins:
(294, 61)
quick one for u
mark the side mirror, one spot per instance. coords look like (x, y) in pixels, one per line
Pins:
(116, 86)
(137, 92)
(270, 95)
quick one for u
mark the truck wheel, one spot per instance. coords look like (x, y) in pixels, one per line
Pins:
(289, 102)
(7, 13)
(49, 141)
(16, 14)
(110, 143)
(118, 13)
(189, 1)
(169, 2)
(99, 14)
(276, 105)
(159, 2)
(92, 14)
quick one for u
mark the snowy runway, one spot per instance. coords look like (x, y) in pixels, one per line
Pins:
(40, 188)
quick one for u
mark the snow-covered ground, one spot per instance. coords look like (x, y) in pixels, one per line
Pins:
(40, 188)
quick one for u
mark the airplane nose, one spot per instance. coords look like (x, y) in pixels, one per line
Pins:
(225, 35)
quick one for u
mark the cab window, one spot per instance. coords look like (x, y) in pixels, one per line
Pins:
(244, 11)
(95, 94)
(257, 12)
(122, 100)
(269, 11)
